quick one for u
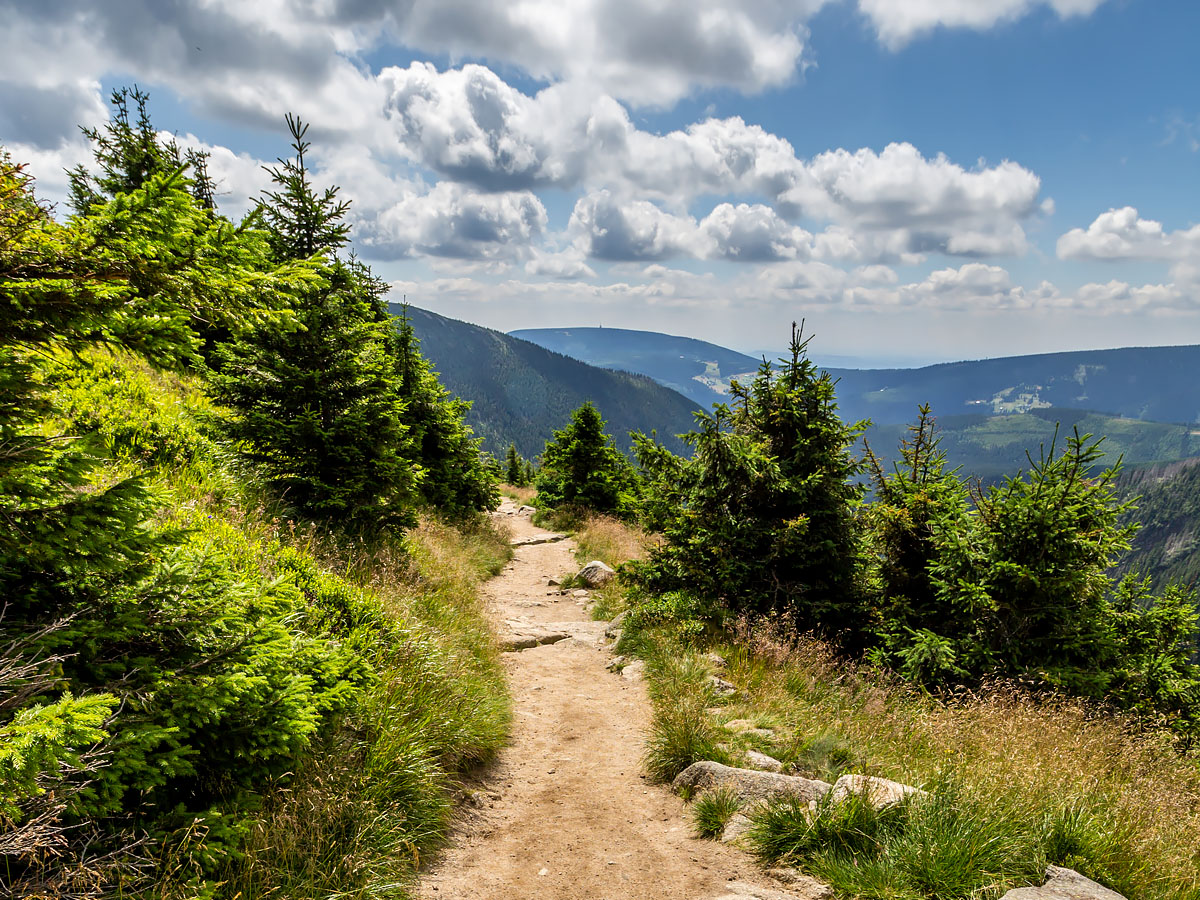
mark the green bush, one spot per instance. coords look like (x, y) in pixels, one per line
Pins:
(761, 518)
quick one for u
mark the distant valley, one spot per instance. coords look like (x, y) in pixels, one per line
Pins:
(1144, 400)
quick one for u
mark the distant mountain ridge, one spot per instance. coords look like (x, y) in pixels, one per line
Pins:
(1149, 383)
(521, 392)
(697, 369)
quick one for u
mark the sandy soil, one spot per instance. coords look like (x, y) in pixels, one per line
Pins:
(565, 813)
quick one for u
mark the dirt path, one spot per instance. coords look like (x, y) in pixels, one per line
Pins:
(565, 813)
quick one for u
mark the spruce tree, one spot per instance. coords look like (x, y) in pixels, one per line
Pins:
(582, 468)
(513, 471)
(458, 479)
(761, 518)
(318, 406)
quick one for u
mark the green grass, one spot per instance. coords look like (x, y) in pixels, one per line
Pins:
(372, 794)
(712, 811)
(1016, 781)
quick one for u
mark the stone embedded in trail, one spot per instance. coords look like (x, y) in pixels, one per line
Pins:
(1064, 884)
(527, 638)
(580, 594)
(749, 785)
(879, 792)
(616, 663)
(735, 828)
(634, 671)
(547, 538)
(596, 574)
(762, 762)
(796, 881)
(740, 890)
(526, 509)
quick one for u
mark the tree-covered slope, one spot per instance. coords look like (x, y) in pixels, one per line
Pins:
(1168, 509)
(521, 392)
(1151, 383)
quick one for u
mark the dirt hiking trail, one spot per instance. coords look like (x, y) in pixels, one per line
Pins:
(565, 813)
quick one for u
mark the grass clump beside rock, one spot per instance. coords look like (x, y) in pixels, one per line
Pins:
(712, 811)
(682, 731)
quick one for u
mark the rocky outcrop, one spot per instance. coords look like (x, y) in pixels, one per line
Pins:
(1064, 884)
(879, 792)
(735, 828)
(596, 574)
(749, 785)
(796, 881)
(740, 890)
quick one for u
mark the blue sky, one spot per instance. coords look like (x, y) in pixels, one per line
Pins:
(928, 179)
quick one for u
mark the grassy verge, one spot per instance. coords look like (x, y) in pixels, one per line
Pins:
(1015, 781)
(375, 796)
(372, 790)
(518, 493)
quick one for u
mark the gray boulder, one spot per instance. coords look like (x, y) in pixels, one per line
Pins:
(1064, 884)
(808, 890)
(879, 792)
(735, 828)
(797, 881)
(596, 574)
(749, 785)
(721, 687)
(762, 762)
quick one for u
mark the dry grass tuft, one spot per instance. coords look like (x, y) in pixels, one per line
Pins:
(611, 541)
(1085, 784)
(518, 493)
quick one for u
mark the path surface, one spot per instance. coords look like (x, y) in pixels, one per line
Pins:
(565, 813)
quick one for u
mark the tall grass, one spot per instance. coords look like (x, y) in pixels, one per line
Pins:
(375, 798)
(1016, 780)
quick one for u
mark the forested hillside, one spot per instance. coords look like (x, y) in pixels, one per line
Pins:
(521, 392)
(990, 447)
(696, 369)
(1167, 546)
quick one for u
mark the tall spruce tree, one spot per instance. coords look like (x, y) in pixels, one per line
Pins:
(583, 469)
(761, 518)
(513, 472)
(458, 479)
(319, 406)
